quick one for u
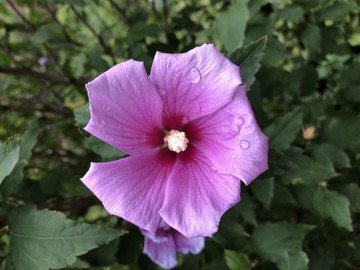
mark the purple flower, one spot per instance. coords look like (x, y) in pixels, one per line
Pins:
(162, 246)
(191, 135)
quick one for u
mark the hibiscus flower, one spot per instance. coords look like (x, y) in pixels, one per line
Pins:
(162, 246)
(190, 134)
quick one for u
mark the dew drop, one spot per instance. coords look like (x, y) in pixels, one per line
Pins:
(184, 120)
(244, 144)
(101, 123)
(162, 91)
(197, 107)
(194, 75)
(237, 123)
(171, 61)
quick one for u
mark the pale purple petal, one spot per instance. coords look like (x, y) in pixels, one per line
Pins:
(186, 245)
(126, 109)
(232, 139)
(132, 188)
(195, 83)
(163, 253)
(197, 195)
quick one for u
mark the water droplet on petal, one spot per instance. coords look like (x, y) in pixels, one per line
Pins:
(162, 91)
(184, 120)
(170, 61)
(244, 144)
(197, 107)
(194, 75)
(101, 123)
(237, 123)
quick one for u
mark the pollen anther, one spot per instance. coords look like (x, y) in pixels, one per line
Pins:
(176, 141)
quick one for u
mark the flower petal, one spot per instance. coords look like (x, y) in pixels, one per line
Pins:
(126, 109)
(196, 196)
(163, 253)
(195, 83)
(186, 245)
(132, 188)
(232, 139)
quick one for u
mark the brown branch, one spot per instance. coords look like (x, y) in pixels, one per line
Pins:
(27, 72)
(71, 79)
(107, 49)
(65, 33)
(121, 11)
(22, 17)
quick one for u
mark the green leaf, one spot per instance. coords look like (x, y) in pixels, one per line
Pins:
(325, 151)
(45, 32)
(246, 208)
(27, 142)
(311, 37)
(304, 170)
(237, 260)
(43, 239)
(263, 190)
(248, 59)
(230, 27)
(352, 192)
(334, 205)
(275, 242)
(9, 157)
(297, 260)
(337, 11)
(231, 235)
(82, 115)
(103, 255)
(323, 257)
(284, 130)
(106, 151)
(292, 13)
(342, 133)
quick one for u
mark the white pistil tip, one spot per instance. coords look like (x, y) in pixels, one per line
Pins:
(176, 141)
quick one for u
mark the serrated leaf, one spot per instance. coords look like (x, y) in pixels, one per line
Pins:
(237, 260)
(103, 255)
(352, 192)
(282, 195)
(304, 170)
(9, 157)
(325, 151)
(43, 239)
(263, 190)
(27, 142)
(231, 235)
(276, 241)
(230, 27)
(297, 260)
(334, 205)
(248, 60)
(284, 130)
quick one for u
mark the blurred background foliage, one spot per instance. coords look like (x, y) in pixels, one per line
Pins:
(301, 214)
